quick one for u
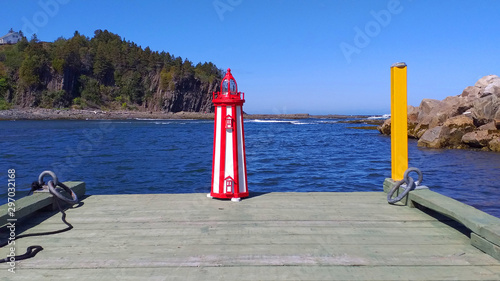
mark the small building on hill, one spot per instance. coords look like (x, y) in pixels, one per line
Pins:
(11, 38)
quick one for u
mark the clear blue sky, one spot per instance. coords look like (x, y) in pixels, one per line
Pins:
(319, 57)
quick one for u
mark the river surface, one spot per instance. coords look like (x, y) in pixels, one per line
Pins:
(175, 156)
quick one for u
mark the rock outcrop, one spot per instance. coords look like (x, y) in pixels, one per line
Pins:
(469, 120)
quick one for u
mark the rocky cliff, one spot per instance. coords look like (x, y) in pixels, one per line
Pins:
(469, 120)
(103, 72)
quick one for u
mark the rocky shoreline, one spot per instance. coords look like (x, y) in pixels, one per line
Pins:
(79, 114)
(469, 120)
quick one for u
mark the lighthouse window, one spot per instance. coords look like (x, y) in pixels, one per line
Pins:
(225, 87)
(233, 87)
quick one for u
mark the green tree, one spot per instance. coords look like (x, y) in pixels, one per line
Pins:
(90, 90)
(131, 87)
(4, 82)
(34, 65)
(30, 70)
(187, 69)
(57, 99)
(3, 87)
(165, 79)
(34, 38)
(13, 58)
(22, 44)
(58, 65)
(4, 105)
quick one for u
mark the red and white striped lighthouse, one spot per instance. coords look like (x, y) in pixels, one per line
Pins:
(229, 169)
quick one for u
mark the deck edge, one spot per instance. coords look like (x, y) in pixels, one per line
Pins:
(485, 227)
(28, 205)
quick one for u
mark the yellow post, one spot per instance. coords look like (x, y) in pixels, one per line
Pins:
(399, 121)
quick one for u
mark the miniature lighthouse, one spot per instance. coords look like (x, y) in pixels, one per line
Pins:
(229, 170)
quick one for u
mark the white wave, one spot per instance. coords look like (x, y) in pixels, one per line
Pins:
(268, 121)
(148, 119)
(301, 123)
(385, 116)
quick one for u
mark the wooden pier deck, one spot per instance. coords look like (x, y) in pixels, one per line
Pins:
(273, 236)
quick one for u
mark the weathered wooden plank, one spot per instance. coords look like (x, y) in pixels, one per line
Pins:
(118, 255)
(28, 205)
(485, 245)
(169, 206)
(330, 225)
(292, 204)
(265, 213)
(201, 218)
(269, 273)
(213, 210)
(262, 211)
(82, 239)
(319, 198)
(253, 195)
(235, 228)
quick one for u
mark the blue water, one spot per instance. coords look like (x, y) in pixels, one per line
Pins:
(175, 156)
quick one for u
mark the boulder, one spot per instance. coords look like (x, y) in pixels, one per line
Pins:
(460, 121)
(477, 139)
(471, 92)
(431, 112)
(412, 113)
(457, 127)
(485, 81)
(494, 144)
(489, 126)
(492, 89)
(419, 130)
(434, 138)
(385, 128)
(485, 109)
(434, 113)
(455, 105)
(449, 134)
(428, 105)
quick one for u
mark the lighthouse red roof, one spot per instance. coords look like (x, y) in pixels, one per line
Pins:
(228, 84)
(228, 90)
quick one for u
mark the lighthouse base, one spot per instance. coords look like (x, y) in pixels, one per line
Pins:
(233, 197)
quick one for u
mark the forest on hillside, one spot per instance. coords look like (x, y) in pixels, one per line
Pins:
(105, 72)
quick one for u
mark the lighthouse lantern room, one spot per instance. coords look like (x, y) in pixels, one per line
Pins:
(229, 171)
